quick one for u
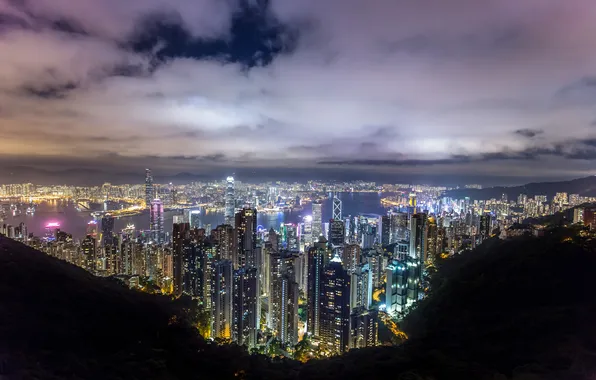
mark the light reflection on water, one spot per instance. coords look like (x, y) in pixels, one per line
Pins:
(75, 222)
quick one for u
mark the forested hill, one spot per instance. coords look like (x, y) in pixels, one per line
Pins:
(519, 309)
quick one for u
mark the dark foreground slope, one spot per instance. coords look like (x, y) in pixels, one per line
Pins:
(59, 322)
(522, 309)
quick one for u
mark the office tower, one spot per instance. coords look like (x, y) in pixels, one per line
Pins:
(149, 189)
(224, 241)
(334, 316)
(246, 239)
(306, 233)
(288, 319)
(396, 292)
(361, 288)
(418, 237)
(337, 233)
(399, 227)
(317, 221)
(385, 230)
(246, 310)
(369, 235)
(230, 202)
(337, 207)
(107, 230)
(364, 328)
(88, 252)
(317, 259)
(180, 232)
(290, 237)
(195, 218)
(412, 202)
(351, 257)
(156, 222)
(222, 299)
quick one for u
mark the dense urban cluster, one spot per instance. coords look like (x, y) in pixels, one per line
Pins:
(309, 289)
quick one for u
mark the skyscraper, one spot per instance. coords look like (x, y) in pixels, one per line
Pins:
(385, 230)
(318, 257)
(224, 241)
(88, 252)
(222, 299)
(246, 238)
(156, 221)
(180, 233)
(351, 257)
(364, 328)
(418, 237)
(149, 190)
(317, 221)
(337, 233)
(107, 230)
(334, 320)
(230, 202)
(246, 310)
(337, 207)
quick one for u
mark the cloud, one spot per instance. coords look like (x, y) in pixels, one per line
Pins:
(381, 85)
(529, 133)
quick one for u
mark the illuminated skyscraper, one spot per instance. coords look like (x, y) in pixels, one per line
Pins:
(230, 202)
(222, 299)
(317, 259)
(180, 233)
(195, 218)
(246, 310)
(88, 252)
(337, 233)
(317, 221)
(364, 328)
(224, 242)
(107, 230)
(337, 207)
(335, 308)
(246, 238)
(156, 221)
(149, 190)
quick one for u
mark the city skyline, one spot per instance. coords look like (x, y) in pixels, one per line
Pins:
(496, 90)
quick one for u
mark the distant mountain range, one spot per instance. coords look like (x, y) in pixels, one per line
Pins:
(583, 186)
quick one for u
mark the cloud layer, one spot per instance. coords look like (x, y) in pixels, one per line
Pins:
(498, 87)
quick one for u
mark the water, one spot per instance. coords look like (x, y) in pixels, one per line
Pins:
(75, 222)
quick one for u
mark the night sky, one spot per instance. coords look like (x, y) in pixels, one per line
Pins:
(491, 90)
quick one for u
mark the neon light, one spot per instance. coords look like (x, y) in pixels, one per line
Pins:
(53, 225)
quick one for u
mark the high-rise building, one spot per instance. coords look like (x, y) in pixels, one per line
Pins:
(485, 226)
(180, 242)
(149, 189)
(283, 297)
(222, 299)
(364, 328)
(317, 221)
(337, 207)
(230, 202)
(396, 291)
(107, 230)
(246, 310)
(317, 259)
(351, 257)
(246, 239)
(361, 288)
(306, 233)
(224, 241)
(418, 237)
(337, 233)
(334, 316)
(89, 253)
(156, 221)
(385, 230)
(195, 218)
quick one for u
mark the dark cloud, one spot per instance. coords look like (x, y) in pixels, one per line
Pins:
(57, 91)
(529, 133)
